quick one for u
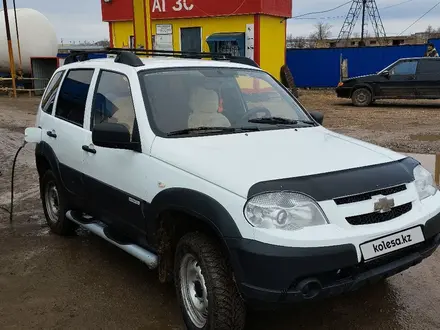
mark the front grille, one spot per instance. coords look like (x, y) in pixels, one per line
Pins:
(374, 217)
(368, 195)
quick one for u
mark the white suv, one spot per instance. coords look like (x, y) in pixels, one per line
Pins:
(213, 173)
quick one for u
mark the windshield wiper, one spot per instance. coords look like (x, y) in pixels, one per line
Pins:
(207, 129)
(280, 121)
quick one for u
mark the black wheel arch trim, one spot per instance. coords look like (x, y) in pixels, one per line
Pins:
(193, 203)
(44, 150)
(362, 85)
(331, 185)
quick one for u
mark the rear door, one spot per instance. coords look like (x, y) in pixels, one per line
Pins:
(401, 82)
(428, 79)
(65, 131)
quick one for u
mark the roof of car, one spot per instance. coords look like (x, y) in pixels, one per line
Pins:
(161, 62)
(419, 58)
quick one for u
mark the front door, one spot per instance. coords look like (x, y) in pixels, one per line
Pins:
(428, 78)
(115, 177)
(191, 39)
(401, 81)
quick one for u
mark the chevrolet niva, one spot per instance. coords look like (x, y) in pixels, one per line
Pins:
(213, 173)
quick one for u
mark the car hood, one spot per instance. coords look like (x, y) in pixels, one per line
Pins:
(238, 161)
(364, 78)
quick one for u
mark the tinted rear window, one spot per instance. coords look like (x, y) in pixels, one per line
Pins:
(429, 66)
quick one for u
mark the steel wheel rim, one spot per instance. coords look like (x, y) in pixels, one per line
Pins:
(51, 198)
(193, 290)
(361, 97)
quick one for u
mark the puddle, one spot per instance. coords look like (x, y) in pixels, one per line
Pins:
(426, 137)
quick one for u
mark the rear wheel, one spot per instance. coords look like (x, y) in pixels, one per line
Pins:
(207, 293)
(55, 205)
(362, 97)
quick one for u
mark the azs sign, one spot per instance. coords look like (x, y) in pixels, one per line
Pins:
(177, 5)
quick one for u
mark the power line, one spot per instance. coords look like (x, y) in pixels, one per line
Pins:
(432, 8)
(324, 11)
(337, 17)
(396, 4)
(324, 18)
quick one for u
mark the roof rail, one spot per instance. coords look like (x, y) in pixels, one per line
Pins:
(129, 56)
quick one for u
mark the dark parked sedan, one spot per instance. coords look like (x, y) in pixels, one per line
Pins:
(409, 78)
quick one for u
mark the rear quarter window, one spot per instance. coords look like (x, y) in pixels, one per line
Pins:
(429, 67)
(51, 92)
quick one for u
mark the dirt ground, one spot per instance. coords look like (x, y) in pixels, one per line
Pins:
(405, 126)
(50, 282)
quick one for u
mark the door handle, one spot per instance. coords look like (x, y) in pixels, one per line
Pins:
(52, 134)
(89, 149)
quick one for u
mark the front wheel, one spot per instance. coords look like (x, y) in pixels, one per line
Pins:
(206, 291)
(362, 97)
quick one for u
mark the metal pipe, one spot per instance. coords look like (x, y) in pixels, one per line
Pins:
(148, 257)
(11, 52)
(364, 4)
(18, 37)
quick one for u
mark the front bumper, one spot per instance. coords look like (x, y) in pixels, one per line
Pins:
(269, 275)
(343, 92)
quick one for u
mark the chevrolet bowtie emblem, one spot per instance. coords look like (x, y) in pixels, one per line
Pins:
(383, 204)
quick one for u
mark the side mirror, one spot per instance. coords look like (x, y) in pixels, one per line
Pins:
(113, 135)
(385, 73)
(317, 116)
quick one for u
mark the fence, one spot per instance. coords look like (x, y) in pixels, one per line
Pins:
(320, 67)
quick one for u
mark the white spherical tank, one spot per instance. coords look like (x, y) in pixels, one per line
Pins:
(37, 38)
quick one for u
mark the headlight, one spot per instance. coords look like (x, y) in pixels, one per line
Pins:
(283, 211)
(424, 182)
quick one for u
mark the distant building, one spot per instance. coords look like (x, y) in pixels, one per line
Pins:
(415, 39)
(66, 48)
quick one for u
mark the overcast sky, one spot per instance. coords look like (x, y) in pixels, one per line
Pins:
(81, 19)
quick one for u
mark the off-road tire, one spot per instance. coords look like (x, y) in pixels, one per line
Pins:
(62, 226)
(226, 309)
(288, 81)
(362, 97)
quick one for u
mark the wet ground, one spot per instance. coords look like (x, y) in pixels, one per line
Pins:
(82, 282)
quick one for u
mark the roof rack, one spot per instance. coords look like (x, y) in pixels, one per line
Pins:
(129, 56)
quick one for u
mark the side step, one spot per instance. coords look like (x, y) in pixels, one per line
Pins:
(149, 258)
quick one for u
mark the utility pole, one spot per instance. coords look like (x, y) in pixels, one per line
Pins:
(362, 42)
(11, 53)
(18, 37)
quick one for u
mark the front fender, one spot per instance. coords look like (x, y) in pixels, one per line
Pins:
(193, 203)
(362, 85)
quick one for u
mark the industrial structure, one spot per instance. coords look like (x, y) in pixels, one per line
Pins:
(365, 9)
(31, 55)
(37, 39)
(255, 29)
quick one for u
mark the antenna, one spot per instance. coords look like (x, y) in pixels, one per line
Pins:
(366, 8)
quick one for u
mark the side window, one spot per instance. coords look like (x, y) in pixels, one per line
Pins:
(72, 98)
(112, 101)
(404, 68)
(429, 66)
(51, 92)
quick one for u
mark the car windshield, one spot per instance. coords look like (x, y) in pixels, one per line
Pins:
(194, 101)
